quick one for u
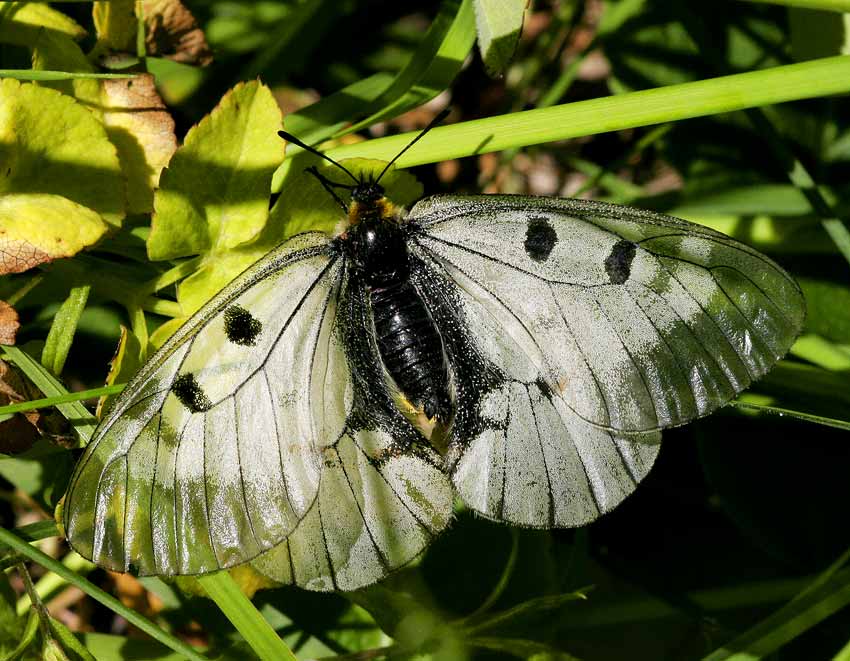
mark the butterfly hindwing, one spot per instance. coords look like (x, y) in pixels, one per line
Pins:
(212, 453)
(516, 451)
(383, 495)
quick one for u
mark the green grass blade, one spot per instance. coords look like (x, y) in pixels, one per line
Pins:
(62, 330)
(430, 70)
(811, 79)
(32, 553)
(84, 422)
(788, 622)
(34, 404)
(783, 412)
(258, 633)
(433, 66)
(32, 74)
(828, 5)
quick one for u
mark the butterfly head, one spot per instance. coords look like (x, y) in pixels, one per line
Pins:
(369, 204)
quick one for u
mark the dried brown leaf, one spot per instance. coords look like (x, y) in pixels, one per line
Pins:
(138, 123)
(18, 255)
(9, 324)
(171, 31)
(22, 430)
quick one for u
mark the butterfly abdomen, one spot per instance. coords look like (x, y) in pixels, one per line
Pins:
(410, 347)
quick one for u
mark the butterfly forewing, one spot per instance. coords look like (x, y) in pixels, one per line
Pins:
(639, 321)
(213, 453)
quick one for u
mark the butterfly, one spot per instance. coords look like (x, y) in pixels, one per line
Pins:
(319, 415)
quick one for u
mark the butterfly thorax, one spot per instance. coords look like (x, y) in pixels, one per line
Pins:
(408, 340)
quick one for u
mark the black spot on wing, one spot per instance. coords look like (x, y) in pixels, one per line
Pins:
(187, 389)
(540, 238)
(618, 264)
(240, 326)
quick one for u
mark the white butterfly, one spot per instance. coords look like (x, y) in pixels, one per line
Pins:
(549, 339)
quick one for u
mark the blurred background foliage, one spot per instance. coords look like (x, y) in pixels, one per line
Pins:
(715, 556)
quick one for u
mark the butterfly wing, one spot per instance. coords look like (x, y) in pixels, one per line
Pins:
(211, 454)
(592, 323)
(383, 494)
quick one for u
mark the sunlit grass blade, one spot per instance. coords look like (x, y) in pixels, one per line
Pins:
(32, 74)
(430, 70)
(815, 78)
(241, 612)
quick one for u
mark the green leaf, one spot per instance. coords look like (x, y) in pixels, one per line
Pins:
(11, 626)
(115, 24)
(241, 612)
(26, 639)
(73, 648)
(788, 622)
(214, 194)
(24, 23)
(62, 329)
(56, 52)
(40, 227)
(499, 25)
(51, 144)
(77, 414)
(431, 69)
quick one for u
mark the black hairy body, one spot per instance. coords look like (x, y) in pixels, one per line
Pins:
(408, 340)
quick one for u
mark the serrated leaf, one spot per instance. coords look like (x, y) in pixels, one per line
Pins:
(57, 52)
(37, 228)
(214, 194)
(49, 143)
(499, 24)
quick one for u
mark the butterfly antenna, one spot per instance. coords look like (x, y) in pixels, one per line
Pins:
(434, 122)
(329, 187)
(291, 138)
